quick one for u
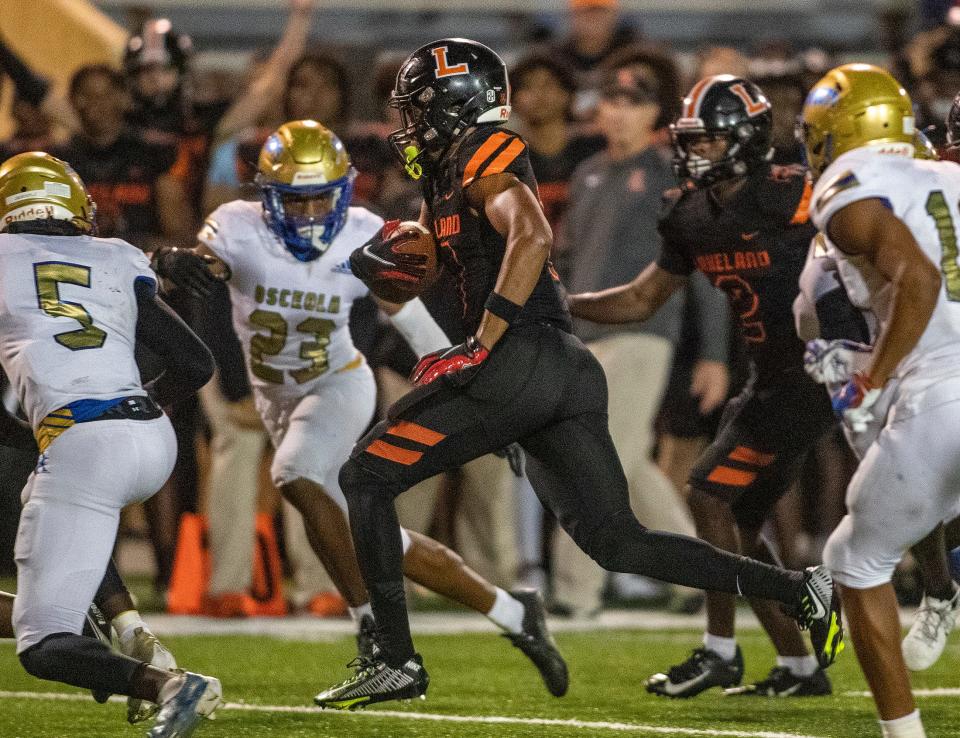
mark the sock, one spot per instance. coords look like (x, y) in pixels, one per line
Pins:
(799, 666)
(81, 662)
(725, 647)
(356, 613)
(126, 623)
(908, 726)
(507, 612)
(765, 582)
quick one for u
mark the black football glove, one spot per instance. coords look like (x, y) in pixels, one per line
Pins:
(377, 259)
(187, 269)
(458, 363)
(514, 456)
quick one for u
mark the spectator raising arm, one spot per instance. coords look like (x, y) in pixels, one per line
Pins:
(268, 85)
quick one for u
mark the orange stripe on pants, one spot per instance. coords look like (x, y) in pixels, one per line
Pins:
(733, 477)
(751, 456)
(393, 453)
(415, 432)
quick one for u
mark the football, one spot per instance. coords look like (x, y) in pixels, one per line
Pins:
(410, 237)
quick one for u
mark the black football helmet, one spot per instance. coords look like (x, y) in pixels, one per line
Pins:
(728, 107)
(443, 89)
(157, 43)
(953, 124)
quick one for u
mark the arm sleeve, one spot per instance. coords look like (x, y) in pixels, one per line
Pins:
(673, 257)
(187, 362)
(713, 319)
(214, 326)
(30, 86)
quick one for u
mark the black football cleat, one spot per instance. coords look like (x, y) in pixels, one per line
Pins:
(818, 611)
(367, 638)
(701, 671)
(781, 682)
(538, 645)
(376, 681)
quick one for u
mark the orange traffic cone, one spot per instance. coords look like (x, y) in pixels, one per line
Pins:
(191, 567)
(267, 586)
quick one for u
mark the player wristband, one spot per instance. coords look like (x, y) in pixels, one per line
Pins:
(503, 308)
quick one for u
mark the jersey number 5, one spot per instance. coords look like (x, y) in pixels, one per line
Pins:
(938, 209)
(313, 351)
(48, 276)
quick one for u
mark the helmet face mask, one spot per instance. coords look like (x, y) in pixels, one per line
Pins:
(442, 90)
(722, 108)
(305, 181)
(953, 124)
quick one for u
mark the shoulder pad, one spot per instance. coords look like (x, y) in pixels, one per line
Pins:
(785, 194)
(489, 150)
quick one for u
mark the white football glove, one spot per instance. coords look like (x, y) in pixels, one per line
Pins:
(834, 362)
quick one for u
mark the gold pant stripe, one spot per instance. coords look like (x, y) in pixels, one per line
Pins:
(355, 364)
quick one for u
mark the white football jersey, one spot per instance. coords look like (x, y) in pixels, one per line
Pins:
(291, 316)
(925, 195)
(68, 319)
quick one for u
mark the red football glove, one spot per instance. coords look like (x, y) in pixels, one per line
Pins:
(457, 363)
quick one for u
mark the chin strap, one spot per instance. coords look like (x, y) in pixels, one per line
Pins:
(413, 168)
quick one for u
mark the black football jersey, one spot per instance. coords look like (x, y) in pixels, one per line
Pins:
(471, 250)
(753, 248)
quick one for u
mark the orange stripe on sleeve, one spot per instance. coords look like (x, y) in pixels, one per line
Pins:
(803, 209)
(480, 155)
(504, 158)
(393, 453)
(751, 456)
(415, 432)
(733, 477)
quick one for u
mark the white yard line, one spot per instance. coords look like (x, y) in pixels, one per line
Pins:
(306, 628)
(432, 717)
(934, 692)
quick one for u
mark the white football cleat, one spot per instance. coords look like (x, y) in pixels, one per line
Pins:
(927, 637)
(144, 646)
(196, 698)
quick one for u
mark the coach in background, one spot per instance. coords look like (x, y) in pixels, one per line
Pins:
(609, 235)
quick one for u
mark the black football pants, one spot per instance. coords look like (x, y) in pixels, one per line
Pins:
(542, 388)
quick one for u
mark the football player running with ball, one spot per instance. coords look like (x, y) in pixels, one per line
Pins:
(519, 377)
(286, 262)
(745, 224)
(72, 309)
(891, 226)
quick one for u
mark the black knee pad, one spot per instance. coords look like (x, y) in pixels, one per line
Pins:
(37, 662)
(80, 661)
(356, 480)
(604, 544)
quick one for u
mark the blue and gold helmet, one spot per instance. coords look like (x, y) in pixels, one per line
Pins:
(304, 162)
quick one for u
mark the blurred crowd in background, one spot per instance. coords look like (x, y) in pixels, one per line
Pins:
(160, 144)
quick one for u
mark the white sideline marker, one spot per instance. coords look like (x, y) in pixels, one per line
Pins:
(437, 718)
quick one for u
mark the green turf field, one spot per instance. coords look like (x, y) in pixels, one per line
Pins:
(480, 676)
